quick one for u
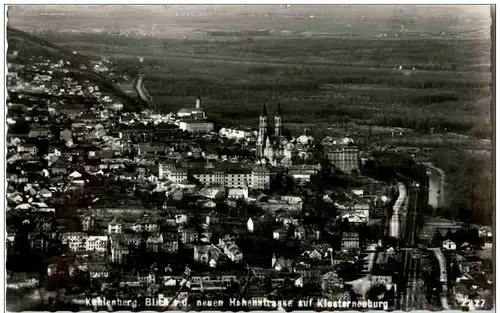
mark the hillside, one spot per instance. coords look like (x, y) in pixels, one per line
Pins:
(28, 46)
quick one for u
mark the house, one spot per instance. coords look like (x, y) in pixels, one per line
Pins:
(188, 234)
(350, 241)
(331, 281)
(209, 204)
(488, 243)
(145, 224)
(381, 276)
(212, 218)
(233, 252)
(146, 277)
(213, 193)
(59, 167)
(237, 193)
(154, 243)
(206, 253)
(281, 263)
(280, 234)
(290, 221)
(115, 227)
(96, 243)
(27, 148)
(38, 242)
(45, 193)
(75, 175)
(303, 173)
(181, 218)
(97, 270)
(206, 234)
(449, 245)
(119, 253)
(88, 222)
(39, 131)
(170, 243)
(299, 233)
(74, 240)
(465, 278)
(485, 232)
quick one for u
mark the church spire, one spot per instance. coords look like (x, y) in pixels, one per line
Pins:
(264, 111)
(279, 108)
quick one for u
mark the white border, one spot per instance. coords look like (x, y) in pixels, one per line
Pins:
(247, 2)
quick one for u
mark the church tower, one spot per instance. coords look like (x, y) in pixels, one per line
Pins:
(278, 123)
(198, 101)
(261, 139)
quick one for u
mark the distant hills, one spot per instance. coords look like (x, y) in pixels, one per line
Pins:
(28, 46)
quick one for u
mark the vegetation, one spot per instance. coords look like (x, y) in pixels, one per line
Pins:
(470, 182)
(329, 80)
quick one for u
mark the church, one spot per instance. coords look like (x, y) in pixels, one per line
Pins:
(268, 142)
(273, 146)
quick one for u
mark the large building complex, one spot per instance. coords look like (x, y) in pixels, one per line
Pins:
(194, 120)
(254, 178)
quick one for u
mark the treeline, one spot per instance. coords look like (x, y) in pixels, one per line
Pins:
(386, 166)
(470, 185)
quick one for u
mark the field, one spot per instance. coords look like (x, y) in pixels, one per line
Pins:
(338, 64)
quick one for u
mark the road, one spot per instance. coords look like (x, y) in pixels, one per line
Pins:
(443, 277)
(398, 213)
(141, 90)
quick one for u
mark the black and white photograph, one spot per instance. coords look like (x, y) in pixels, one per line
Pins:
(249, 157)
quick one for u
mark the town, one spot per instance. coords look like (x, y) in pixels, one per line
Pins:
(166, 211)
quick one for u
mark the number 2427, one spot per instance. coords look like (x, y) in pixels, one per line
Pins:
(477, 303)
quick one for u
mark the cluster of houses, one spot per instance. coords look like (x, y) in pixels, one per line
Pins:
(111, 189)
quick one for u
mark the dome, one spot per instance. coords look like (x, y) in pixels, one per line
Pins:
(347, 140)
(305, 140)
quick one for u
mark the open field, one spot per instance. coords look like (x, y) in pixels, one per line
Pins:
(325, 66)
(333, 89)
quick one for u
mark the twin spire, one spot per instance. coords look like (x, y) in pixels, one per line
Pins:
(264, 110)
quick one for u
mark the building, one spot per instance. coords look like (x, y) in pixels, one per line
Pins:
(205, 254)
(88, 222)
(237, 193)
(28, 148)
(175, 174)
(302, 173)
(280, 234)
(97, 270)
(235, 134)
(239, 177)
(196, 126)
(145, 224)
(449, 245)
(269, 144)
(96, 243)
(195, 113)
(115, 227)
(350, 241)
(75, 241)
(119, 253)
(344, 155)
(331, 281)
(188, 235)
(381, 275)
